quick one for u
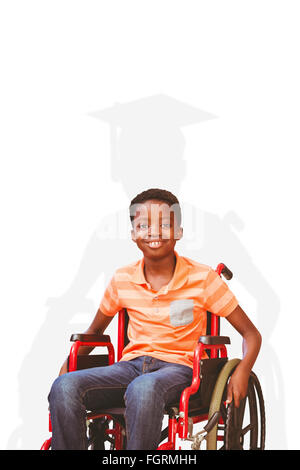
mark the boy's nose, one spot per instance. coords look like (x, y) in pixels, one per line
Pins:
(155, 230)
(154, 234)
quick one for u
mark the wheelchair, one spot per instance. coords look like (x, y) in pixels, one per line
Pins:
(204, 401)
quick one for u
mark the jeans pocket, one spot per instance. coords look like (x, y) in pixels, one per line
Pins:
(182, 312)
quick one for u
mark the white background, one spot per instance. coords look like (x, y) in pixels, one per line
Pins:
(61, 60)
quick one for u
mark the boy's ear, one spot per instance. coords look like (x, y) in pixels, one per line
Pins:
(179, 233)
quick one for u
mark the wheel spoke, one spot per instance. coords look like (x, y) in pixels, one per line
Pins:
(246, 429)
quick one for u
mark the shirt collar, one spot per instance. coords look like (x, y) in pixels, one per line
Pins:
(179, 278)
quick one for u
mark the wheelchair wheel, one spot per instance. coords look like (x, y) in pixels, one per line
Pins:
(97, 433)
(106, 434)
(243, 427)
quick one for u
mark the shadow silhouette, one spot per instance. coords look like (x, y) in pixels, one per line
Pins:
(147, 151)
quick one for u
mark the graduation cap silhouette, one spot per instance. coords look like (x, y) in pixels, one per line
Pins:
(148, 128)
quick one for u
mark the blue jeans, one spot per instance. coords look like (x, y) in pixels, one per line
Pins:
(146, 384)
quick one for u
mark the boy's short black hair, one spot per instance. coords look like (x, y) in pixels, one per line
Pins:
(159, 194)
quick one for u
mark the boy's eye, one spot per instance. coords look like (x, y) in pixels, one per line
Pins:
(145, 226)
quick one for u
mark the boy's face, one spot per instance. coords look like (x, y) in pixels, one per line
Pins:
(155, 228)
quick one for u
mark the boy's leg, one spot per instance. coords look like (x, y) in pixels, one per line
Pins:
(146, 397)
(75, 392)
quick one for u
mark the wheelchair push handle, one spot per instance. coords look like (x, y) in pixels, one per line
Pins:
(224, 270)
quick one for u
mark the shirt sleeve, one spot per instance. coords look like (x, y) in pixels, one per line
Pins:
(218, 298)
(110, 303)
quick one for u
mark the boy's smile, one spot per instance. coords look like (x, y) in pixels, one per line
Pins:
(155, 244)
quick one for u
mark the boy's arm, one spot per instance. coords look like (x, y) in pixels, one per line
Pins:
(237, 387)
(98, 326)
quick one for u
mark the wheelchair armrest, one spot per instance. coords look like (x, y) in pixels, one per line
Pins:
(90, 338)
(208, 339)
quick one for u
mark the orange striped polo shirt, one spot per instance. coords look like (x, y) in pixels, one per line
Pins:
(166, 324)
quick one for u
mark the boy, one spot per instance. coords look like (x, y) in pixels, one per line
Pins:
(166, 296)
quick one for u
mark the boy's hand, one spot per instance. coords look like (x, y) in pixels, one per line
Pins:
(64, 368)
(237, 387)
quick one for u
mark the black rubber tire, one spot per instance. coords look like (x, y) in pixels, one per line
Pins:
(234, 428)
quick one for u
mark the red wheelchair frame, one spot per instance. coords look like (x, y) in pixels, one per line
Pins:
(176, 426)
